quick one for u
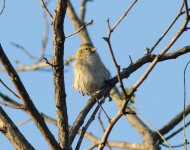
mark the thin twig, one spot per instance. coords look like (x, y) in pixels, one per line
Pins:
(176, 146)
(140, 81)
(80, 119)
(103, 128)
(81, 28)
(84, 129)
(9, 100)
(177, 131)
(41, 65)
(77, 24)
(186, 9)
(107, 39)
(174, 122)
(100, 104)
(12, 106)
(91, 147)
(12, 92)
(83, 9)
(23, 50)
(100, 121)
(2, 8)
(109, 128)
(155, 129)
(126, 97)
(24, 122)
(46, 9)
(167, 30)
(185, 137)
(124, 15)
(184, 106)
(45, 37)
(47, 62)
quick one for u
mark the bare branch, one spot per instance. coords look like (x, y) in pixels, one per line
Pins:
(124, 15)
(167, 30)
(174, 122)
(140, 81)
(12, 106)
(33, 67)
(177, 131)
(27, 102)
(23, 122)
(12, 133)
(23, 50)
(58, 67)
(11, 91)
(186, 9)
(184, 106)
(96, 141)
(109, 128)
(9, 100)
(46, 9)
(80, 119)
(107, 39)
(47, 62)
(177, 145)
(77, 24)
(84, 129)
(2, 8)
(81, 28)
(102, 126)
(40, 65)
(45, 37)
(155, 129)
(83, 9)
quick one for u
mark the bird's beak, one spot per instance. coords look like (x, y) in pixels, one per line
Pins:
(93, 50)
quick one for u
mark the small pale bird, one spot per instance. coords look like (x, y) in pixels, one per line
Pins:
(90, 73)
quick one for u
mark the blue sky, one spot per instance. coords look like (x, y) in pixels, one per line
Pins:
(159, 98)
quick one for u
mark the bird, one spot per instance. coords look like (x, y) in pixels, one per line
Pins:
(90, 74)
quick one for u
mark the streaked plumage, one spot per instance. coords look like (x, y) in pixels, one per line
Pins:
(89, 72)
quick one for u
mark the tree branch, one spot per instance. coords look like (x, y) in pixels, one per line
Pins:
(2, 8)
(40, 65)
(167, 30)
(7, 99)
(140, 81)
(80, 119)
(83, 9)
(175, 121)
(27, 102)
(177, 131)
(46, 9)
(77, 24)
(11, 91)
(60, 95)
(12, 133)
(84, 129)
(80, 29)
(147, 59)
